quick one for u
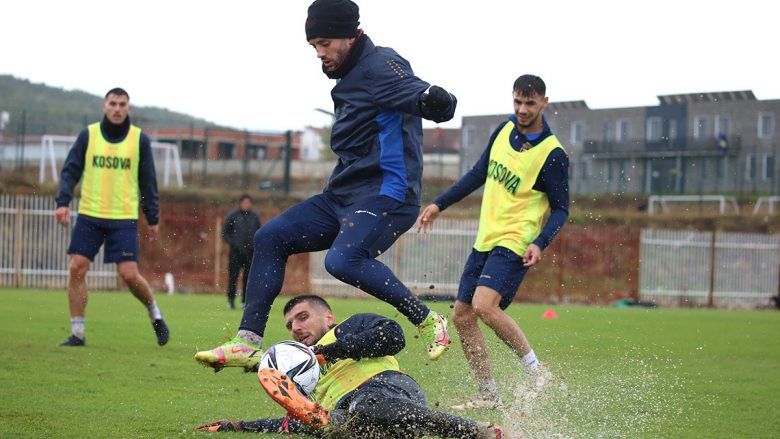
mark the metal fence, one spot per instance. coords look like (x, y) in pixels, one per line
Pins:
(718, 269)
(428, 263)
(33, 247)
(584, 264)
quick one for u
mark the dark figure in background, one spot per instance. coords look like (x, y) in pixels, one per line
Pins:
(239, 231)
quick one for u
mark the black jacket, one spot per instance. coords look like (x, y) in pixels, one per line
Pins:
(239, 230)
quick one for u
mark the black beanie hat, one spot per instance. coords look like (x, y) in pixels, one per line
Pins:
(332, 19)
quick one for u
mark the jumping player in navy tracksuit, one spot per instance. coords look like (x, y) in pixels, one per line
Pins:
(373, 195)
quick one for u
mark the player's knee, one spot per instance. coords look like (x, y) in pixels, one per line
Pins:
(78, 269)
(128, 274)
(487, 312)
(337, 265)
(344, 263)
(262, 236)
(464, 317)
(270, 236)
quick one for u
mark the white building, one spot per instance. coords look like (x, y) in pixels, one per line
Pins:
(311, 144)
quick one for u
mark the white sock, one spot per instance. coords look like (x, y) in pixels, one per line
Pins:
(530, 362)
(250, 336)
(154, 312)
(77, 327)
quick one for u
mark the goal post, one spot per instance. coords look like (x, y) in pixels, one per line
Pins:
(166, 159)
(166, 155)
(50, 146)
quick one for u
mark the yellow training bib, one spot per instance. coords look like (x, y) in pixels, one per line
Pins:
(109, 188)
(346, 375)
(512, 211)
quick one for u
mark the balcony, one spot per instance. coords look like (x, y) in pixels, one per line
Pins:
(710, 145)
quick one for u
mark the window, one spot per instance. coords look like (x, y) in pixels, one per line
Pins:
(654, 132)
(722, 125)
(584, 170)
(750, 167)
(623, 169)
(700, 127)
(577, 133)
(191, 149)
(621, 130)
(225, 150)
(468, 136)
(607, 132)
(768, 172)
(766, 125)
(673, 130)
(256, 151)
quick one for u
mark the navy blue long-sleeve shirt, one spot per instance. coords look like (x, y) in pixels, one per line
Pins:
(553, 180)
(365, 335)
(73, 169)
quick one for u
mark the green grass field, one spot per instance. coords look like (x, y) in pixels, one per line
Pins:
(627, 373)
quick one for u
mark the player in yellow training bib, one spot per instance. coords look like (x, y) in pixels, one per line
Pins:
(113, 159)
(525, 172)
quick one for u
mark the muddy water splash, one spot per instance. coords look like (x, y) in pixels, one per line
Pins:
(633, 397)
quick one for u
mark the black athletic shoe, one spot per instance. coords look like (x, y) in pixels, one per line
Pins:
(161, 329)
(73, 341)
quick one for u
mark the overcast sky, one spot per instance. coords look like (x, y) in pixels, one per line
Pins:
(246, 63)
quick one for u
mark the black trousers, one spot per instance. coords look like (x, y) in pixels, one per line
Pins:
(238, 261)
(390, 405)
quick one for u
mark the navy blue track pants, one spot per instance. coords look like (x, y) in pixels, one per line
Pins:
(354, 236)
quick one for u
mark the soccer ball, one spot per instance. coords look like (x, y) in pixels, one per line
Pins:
(296, 361)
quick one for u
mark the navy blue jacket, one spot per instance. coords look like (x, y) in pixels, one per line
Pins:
(553, 180)
(73, 169)
(377, 134)
(365, 335)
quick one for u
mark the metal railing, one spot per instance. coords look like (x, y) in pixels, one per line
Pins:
(708, 268)
(33, 247)
(429, 264)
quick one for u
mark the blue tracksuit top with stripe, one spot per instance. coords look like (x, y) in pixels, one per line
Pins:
(377, 134)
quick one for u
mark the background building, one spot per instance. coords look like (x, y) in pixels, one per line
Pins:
(721, 142)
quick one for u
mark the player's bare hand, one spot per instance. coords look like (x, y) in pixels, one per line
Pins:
(427, 217)
(153, 231)
(532, 256)
(62, 215)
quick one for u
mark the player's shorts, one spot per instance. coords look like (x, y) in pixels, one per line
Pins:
(120, 237)
(500, 269)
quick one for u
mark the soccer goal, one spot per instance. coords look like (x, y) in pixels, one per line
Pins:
(166, 156)
(664, 200)
(53, 148)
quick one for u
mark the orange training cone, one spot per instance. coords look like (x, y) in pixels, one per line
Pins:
(550, 314)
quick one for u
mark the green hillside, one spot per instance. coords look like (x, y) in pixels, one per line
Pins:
(55, 110)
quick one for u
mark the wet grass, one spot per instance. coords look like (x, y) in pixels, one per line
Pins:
(625, 372)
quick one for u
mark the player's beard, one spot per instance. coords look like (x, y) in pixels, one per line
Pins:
(530, 123)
